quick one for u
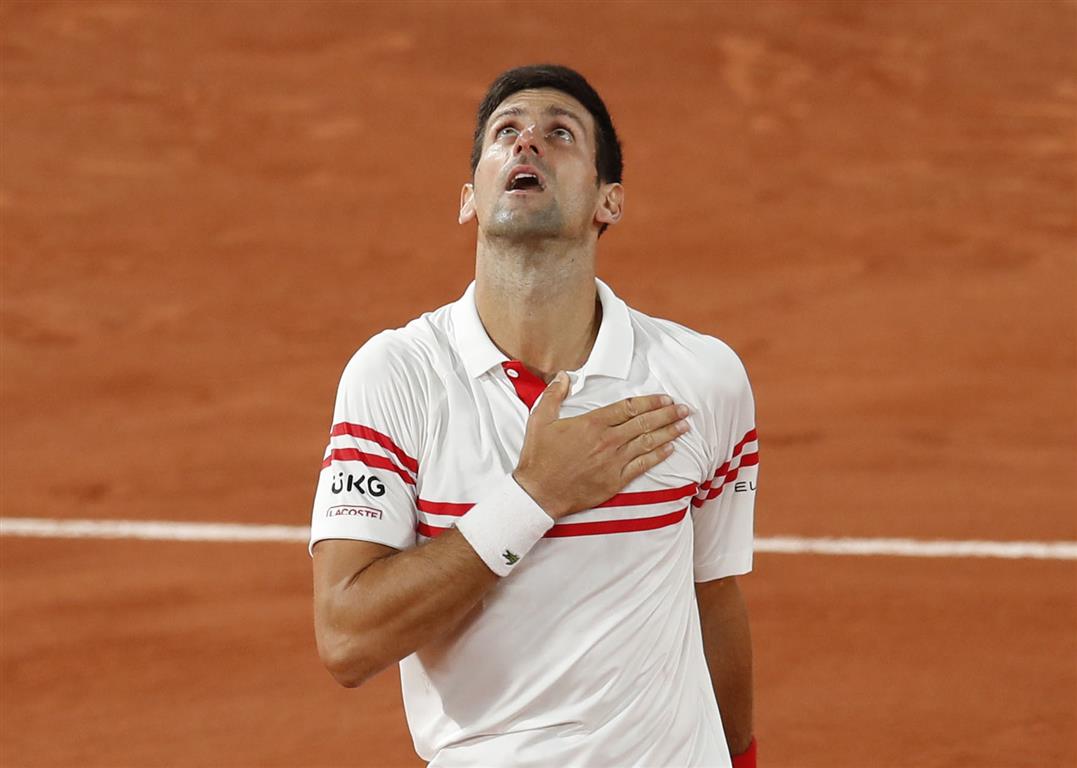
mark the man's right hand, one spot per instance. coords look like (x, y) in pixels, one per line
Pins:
(572, 464)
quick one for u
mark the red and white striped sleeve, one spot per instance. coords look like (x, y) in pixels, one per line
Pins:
(366, 488)
(723, 511)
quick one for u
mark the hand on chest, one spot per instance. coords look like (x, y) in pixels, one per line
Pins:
(471, 447)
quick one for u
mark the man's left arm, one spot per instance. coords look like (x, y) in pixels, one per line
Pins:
(727, 643)
(723, 515)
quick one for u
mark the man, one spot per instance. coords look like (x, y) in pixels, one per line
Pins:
(521, 487)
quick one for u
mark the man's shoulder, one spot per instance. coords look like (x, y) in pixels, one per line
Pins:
(687, 349)
(409, 352)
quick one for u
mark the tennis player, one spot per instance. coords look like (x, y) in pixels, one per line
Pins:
(537, 499)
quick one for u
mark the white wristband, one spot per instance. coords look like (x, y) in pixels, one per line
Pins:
(504, 526)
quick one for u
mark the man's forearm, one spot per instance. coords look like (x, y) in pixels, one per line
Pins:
(727, 643)
(400, 602)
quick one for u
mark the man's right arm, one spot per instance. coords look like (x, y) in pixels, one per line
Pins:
(374, 605)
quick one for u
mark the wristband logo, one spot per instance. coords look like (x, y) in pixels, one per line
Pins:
(511, 558)
(351, 511)
(374, 485)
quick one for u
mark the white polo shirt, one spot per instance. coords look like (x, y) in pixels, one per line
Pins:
(589, 653)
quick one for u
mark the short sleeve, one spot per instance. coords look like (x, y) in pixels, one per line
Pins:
(723, 510)
(366, 487)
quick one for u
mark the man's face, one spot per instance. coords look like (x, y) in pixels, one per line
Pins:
(536, 175)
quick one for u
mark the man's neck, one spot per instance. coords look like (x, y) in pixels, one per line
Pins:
(539, 305)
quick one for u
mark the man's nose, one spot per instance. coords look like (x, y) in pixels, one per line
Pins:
(527, 140)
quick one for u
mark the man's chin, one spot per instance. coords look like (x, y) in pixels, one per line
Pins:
(524, 225)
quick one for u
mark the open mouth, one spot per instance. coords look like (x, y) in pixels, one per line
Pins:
(524, 180)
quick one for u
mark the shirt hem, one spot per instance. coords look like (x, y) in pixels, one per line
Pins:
(736, 564)
(371, 539)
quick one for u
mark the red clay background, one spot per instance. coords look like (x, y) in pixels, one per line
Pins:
(207, 207)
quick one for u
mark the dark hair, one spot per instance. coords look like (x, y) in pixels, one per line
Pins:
(608, 162)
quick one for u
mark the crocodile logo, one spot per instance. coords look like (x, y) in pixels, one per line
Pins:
(510, 557)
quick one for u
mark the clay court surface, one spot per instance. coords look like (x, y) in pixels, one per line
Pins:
(207, 207)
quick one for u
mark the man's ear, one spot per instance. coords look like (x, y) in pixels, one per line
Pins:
(467, 203)
(611, 204)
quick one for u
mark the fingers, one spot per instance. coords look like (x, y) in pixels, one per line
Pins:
(548, 408)
(651, 440)
(648, 422)
(644, 462)
(629, 408)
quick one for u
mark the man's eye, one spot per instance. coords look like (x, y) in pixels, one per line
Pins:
(562, 133)
(504, 131)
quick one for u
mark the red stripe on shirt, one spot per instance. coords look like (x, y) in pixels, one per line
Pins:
(386, 442)
(634, 499)
(638, 498)
(598, 527)
(452, 508)
(594, 528)
(429, 531)
(370, 459)
(749, 437)
(747, 460)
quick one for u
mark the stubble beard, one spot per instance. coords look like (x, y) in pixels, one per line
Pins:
(513, 222)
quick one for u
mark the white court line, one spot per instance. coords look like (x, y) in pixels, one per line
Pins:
(163, 530)
(173, 531)
(1013, 550)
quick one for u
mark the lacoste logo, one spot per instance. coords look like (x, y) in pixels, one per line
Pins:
(510, 557)
(352, 511)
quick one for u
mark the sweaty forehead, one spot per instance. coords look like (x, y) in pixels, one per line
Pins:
(534, 103)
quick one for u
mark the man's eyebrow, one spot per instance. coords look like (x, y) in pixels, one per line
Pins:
(514, 111)
(553, 109)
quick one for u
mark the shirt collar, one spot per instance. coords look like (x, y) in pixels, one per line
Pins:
(476, 349)
(610, 356)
